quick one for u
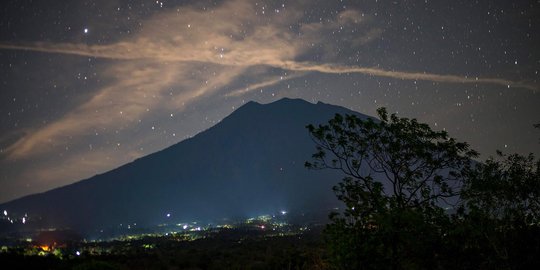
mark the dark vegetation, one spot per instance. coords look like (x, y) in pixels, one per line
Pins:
(438, 208)
(230, 249)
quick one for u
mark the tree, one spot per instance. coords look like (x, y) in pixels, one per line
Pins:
(498, 225)
(399, 174)
(500, 216)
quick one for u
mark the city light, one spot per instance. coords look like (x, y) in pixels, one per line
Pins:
(268, 225)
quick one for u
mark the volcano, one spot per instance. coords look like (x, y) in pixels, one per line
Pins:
(251, 162)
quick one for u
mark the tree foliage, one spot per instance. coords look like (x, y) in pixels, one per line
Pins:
(500, 216)
(381, 224)
(415, 199)
(506, 190)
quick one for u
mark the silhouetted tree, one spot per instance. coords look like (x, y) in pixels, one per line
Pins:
(500, 218)
(398, 224)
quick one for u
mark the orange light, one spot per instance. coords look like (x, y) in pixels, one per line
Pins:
(45, 248)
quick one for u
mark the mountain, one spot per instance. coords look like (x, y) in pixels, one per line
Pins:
(250, 163)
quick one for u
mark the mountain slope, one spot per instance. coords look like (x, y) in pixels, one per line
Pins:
(251, 162)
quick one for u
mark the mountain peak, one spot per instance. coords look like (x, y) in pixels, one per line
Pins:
(285, 100)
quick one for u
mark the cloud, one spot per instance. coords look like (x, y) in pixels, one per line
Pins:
(269, 57)
(266, 45)
(230, 35)
(272, 80)
(192, 51)
(118, 104)
(402, 75)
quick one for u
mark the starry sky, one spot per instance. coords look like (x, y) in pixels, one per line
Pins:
(86, 86)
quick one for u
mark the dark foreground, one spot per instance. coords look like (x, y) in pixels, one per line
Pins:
(227, 249)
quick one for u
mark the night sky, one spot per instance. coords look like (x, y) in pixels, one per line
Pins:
(86, 86)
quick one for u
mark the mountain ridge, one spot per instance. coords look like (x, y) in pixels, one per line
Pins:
(250, 161)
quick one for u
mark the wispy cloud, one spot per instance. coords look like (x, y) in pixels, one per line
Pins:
(259, 85)
(265, 57)
(222, 39)
(130, 52)
(403, 75)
